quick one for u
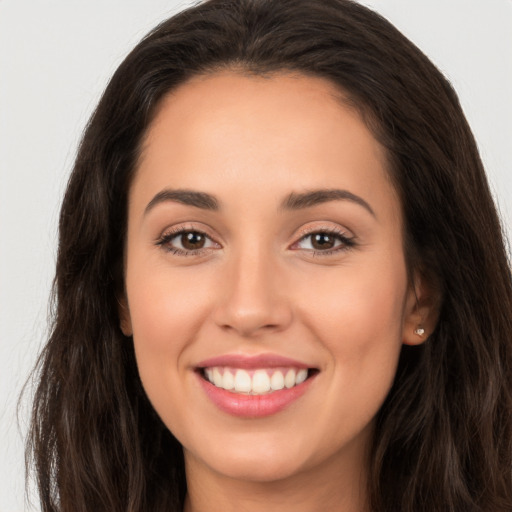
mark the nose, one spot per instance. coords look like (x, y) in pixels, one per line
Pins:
(254, 298)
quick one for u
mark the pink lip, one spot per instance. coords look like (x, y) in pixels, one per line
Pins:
(253, 406)
(251, 362)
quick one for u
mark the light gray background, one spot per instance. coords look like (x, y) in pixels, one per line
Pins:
(55, 59)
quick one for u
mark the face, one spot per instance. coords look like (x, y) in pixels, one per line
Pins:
(266, 287)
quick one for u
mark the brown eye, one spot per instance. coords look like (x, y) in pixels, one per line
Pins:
(192, 240)
(325, 242)
(322, 241)
(187, 242)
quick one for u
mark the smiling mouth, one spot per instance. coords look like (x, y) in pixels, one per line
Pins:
(261, 381)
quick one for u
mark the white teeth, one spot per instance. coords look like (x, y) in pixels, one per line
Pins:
(243, 381)
(277, 381)
(260, 382)
(256, 382)
(228, 381)
(217, 377)
(289, 379)
(302, 375)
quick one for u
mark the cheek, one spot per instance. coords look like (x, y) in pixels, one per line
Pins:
(359, 306)
(357, 316)
(166, 310)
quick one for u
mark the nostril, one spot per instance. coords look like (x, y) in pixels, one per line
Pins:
(248, 327)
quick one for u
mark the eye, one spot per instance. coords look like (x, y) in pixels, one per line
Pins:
(186, 242)
(324, 242)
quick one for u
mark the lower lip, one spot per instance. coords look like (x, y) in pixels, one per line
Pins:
(253, 406)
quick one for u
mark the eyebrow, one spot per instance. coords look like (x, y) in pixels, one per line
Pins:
(188, 197)
(314, 197)
(295, 201)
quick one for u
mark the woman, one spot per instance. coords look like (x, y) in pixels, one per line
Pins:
(281, 279)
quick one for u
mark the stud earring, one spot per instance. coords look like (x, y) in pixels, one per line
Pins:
(419, 330)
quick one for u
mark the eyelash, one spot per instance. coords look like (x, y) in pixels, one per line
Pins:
(165, 240)
(346, 242)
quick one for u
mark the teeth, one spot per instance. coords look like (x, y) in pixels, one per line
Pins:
(255, 382)
(228, 381)
(242, 381)
(260, 382)
(217, 377)
(289, 379)
(302, 375)
(277, 381)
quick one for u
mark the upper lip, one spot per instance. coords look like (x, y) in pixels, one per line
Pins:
(252, 362)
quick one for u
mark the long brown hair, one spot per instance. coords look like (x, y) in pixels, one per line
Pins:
(443, 438)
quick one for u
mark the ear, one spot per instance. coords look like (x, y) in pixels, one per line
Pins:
(421, 311)
(125, 321)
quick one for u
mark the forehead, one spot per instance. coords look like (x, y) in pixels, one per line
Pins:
(226, 131)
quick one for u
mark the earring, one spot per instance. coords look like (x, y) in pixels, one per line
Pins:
(419, 331)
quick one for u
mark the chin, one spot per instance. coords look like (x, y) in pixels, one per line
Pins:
(257, 462)
(256, 469)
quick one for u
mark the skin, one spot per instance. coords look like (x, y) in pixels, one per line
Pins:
(257, 286)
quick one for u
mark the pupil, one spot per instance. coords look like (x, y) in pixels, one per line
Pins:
(323, 241)
(192, 240)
